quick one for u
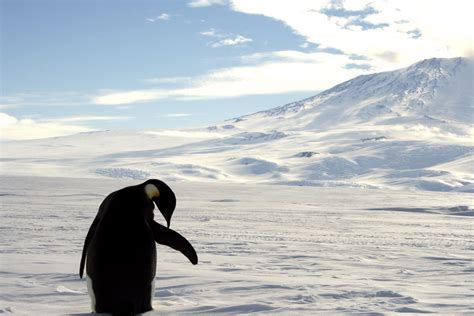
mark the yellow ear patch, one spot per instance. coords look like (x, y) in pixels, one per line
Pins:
(151, 191)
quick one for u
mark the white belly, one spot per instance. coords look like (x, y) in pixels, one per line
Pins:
(152, 292)
(90, 290)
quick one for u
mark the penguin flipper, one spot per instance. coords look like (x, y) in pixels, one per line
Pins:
(170, 238)
(90, 233)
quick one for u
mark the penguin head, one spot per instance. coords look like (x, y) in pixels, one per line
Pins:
(164, 198)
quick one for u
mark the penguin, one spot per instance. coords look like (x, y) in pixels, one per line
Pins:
(119, 251)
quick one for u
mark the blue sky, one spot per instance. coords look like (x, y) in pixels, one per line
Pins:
(69, 66)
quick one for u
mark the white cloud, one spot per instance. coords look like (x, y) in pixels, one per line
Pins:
(168, 80)
(237, 40)
(123, 107)
(225, 39)
(126, 97)
(64, 98)
(304, 45)
(443, 26)
(178, 115)
(164, 16)
(205, 3)
(92, 118)
(161, 17)
(211, 33)
(12, 128)
(7, 120)
(7, 106)
(263, 73)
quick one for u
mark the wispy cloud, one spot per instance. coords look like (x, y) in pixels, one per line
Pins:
(178, 115)
(212, 33)
(4, 106)
(205, 3)
(232, 41)
(161, 17)
(66, 98)
(336, 9)
(13, 128)
(415, 33)
(358, 66)
(351, 19)
(263, 73)
(168, 80)
(135, 96)
(388, 56)
(76, 119)
(357, 57)
(223, 39)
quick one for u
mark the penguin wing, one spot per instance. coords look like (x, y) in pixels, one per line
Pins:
(170, 238)
(90, 233)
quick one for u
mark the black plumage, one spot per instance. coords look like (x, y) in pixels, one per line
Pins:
(120, 252)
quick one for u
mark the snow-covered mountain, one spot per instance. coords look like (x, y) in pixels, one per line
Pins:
(431, 91)
(409, 128)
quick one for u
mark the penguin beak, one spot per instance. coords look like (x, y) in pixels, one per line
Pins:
(164, 198)
(165, 210)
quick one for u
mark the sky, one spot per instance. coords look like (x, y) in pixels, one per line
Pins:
(70, 66)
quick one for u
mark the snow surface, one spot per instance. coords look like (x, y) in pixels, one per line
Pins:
(411, 128)
(262, 249)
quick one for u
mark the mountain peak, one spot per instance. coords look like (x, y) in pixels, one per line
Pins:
(440, 63)
(438, 88)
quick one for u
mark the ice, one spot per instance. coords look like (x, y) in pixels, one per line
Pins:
(263, 249)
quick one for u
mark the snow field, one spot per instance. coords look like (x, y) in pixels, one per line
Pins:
(262, 249)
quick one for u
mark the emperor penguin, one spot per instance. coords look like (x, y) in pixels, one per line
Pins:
(120, 253)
